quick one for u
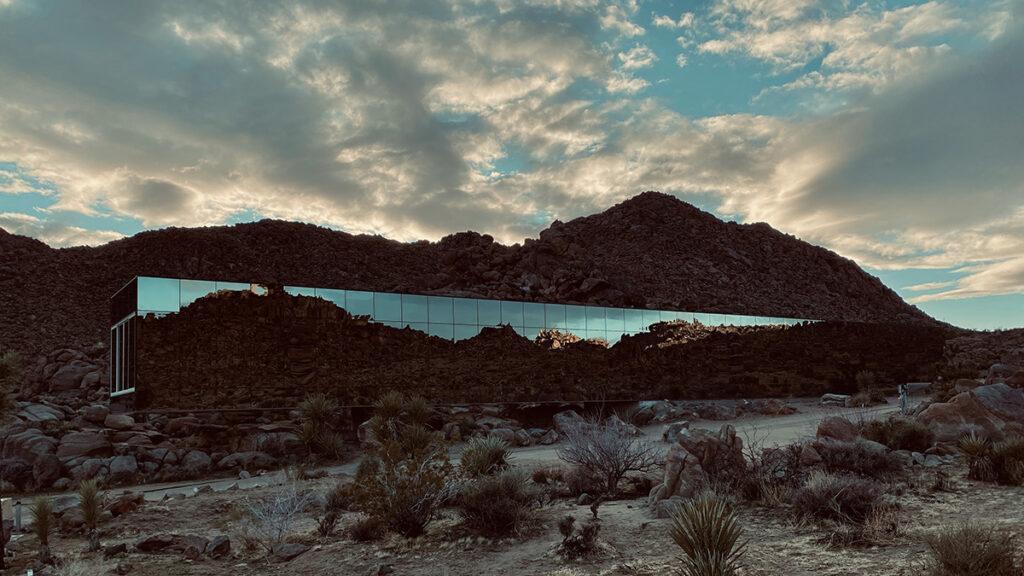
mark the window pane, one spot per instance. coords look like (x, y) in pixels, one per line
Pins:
(158, 294)
(463, 331)
(421, 326)
(192, 290)
(445, 331)
(651, 317)
(359, 303)
(335, 296)
(575, 317)
(465, 311)
(688, 316)
(235, 286)
(300, 291)
(439, 310)
(512, 313)
(531, 333)
(634, 320)
(414, 308)
(387, 307)
(596, 335)
(396, 325)
(701, 317)
(614, 336)
(595, 318)
(615, 318)
(533, 315)
(554, 316)
(489, 312)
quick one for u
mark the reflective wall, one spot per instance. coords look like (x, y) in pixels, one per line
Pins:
(453, 318)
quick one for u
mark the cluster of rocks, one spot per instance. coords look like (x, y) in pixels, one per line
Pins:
(694, 458)
(50, 446)
(993, 410)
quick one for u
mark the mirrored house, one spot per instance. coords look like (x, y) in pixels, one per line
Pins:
(451, 318)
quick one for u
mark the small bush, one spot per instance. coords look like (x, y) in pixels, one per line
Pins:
(482, 456)
(43, 523)
(577, 541)
(858, 458)
(366, 529)
(336, 501)
(707, 531)
(547, 475)
(842, 498)
(899, 434)
(1008, 461)
(319, 431)
(90, 500)
(497, 505)
(976, 450)
(579, 480)
(971, 550)
(270, 520)
(607, 450)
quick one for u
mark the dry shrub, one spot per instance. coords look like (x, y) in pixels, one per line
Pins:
(841, 498)
(858, 458)
(548, 474)
(971, 550)
(270, 520)
(486, 455)
(499, 504)
(366, 529)
(336, 501)
(81, 566)
(899, 433)
(708, 532)
(579, 480)
(577, 541)
(607, 450)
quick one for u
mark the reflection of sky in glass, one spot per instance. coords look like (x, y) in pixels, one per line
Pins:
(454, 318)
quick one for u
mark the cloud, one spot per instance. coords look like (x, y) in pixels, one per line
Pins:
(54, 233)
(637, 57)
(681, 60)
(616, 18)
(685, 21)
(1001, 278)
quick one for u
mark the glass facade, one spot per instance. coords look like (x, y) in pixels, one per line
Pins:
(453, 318)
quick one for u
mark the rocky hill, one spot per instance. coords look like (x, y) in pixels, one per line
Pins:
(650, 251)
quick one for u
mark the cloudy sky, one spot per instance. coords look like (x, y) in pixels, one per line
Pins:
(891, 131)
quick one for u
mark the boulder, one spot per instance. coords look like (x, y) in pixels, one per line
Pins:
(1000, 373)
(16, 471)
(718, 452)
(492, 422)
(192, 547)
(125, 503)
(287, 551)
(809, 456)
(549, 438)
(523, 438)
(617, 423)
(837, 428)
(69, 376)
(506, 435)
(218, 546)
(246, 461)
(29, 445)
(196, 461)
(567, 420)
(90, 468)
(1003, 401)
(119, 421)
(158, 542)
(95, 413)
(46, 470)
(670, 433)
(834, 399)
(30, 412)
(365, 433)
(962, 414)
(76, 446)
(123, 467)
(71, 520)
(182, 426)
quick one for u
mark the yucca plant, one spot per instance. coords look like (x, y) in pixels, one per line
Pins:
(318, 432)
(977, 451)
(90, 500)
(42, 525)
(484, 456)
(971, 550)
(708, 532)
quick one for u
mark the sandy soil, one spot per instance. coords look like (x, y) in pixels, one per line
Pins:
(634, 543)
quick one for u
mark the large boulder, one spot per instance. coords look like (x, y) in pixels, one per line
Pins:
(567, 420)
(119, 421)
(29, 445)
(1003, 401)
(46, 470)
(31, 412)
(75, 447)
(95, 413)
(837, 428)
(196, 461)
(16, 471)
(962, 414)
(123, 468)
(697, 456)
(69, 376)
(1000, 373)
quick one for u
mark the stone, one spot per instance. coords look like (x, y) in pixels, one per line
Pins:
(46, 470)
(287, 551)
(1000, 373)
(158, 542)
(1004, 402)
(932, 461)
(69, 376)
(670, 433)
(507, 435)
(218, 546)
(62, 484)
(809, 456)
(125, 503)
(906, 457)
(523, 438)
(192, 547)
(962, 414)
(123, 467)
(72, 520)
(452, 431)
(196, 461)
(617, 423)
(834, 399)
(365, 433)
(114, 550)
(182, 426)
(584, 499)
(492, 422)
(567, 420)
(29, 445)
(119, 421)
(246, 460)
(95, 413)
(78, 445)
(16, 471)
(549, 438)
(665, 508)
(837, 428)
(30, 412)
